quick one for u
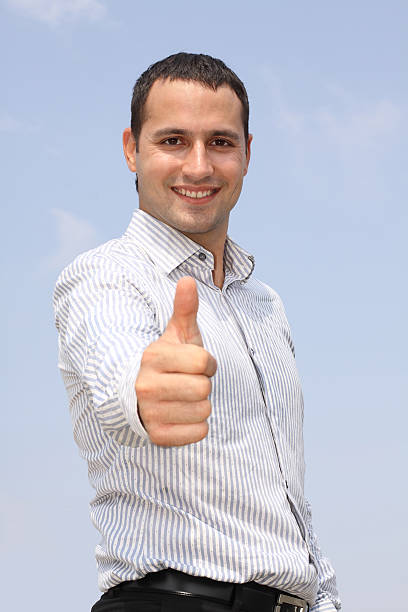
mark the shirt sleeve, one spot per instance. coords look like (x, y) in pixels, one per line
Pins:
(105, 321)
(327, 599)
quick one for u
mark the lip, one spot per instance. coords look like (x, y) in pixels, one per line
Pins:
(196, 201)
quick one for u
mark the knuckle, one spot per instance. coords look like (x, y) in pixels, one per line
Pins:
(142, 388)
(203, 360)
(203, 410)
(205, 387)
(206, 409)
(150, 354)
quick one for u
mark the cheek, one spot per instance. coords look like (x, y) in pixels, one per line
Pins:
(159, 167)
(235, 171)
(231, 166)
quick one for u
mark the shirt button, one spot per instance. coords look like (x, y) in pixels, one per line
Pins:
(251, 351)
(202, 256)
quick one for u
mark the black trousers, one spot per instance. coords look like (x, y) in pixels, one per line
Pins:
(173, 591)
(159, 602)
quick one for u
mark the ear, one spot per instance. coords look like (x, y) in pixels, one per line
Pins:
(248, 153)
(129, 149)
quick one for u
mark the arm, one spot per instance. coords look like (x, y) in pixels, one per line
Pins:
(105, 322)
(327, 599)
(111, 349)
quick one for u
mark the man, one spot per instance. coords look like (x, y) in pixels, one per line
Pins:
(180, 371)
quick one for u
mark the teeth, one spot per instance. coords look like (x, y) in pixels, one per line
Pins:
(194, 194)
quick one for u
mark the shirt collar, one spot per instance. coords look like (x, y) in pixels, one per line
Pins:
(168, 248)
(237, 262)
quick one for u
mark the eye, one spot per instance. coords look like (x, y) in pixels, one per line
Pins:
(220, 142)
(173, 140)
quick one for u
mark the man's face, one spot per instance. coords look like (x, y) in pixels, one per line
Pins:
(192, 157)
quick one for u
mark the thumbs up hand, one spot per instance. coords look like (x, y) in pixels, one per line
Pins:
(174, 383)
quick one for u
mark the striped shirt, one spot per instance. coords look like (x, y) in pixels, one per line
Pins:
(230, 507)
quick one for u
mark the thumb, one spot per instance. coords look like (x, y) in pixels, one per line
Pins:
(182, 327)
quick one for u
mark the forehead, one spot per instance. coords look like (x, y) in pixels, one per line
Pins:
(192, 105)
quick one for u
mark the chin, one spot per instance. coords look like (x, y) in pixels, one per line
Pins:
(193, 228)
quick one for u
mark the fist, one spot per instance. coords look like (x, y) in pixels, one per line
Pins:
(174, 379)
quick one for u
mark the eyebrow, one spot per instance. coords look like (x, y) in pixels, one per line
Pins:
(179, 131)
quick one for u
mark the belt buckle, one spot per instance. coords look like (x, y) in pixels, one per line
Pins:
(299, 604)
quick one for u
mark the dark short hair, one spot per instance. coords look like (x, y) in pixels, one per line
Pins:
(209, 71)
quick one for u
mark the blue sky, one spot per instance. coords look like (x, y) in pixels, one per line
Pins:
(323, 210)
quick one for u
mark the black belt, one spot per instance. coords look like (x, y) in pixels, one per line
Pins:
(258, 597)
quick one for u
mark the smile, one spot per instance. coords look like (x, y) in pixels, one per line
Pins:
(196, 195)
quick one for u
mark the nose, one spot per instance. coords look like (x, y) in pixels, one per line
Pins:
(197, 163)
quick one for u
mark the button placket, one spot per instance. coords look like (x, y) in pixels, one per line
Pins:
(262, 386)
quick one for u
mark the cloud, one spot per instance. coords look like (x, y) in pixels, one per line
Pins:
(364, 127)
(11, 125)
(343, 121)
(342, 150)
(74, 236)
(54, 12)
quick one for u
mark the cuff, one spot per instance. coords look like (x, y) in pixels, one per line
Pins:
(128, 399)
(324, 605)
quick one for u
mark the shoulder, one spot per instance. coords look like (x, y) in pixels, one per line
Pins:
(262, 293)
(267, 306)
(115, 266)
(117, 257)
(119, 260)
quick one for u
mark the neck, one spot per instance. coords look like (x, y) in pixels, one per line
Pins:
(218, 272)
(216, 247)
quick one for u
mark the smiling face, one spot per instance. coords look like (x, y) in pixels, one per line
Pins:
(191, 158)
